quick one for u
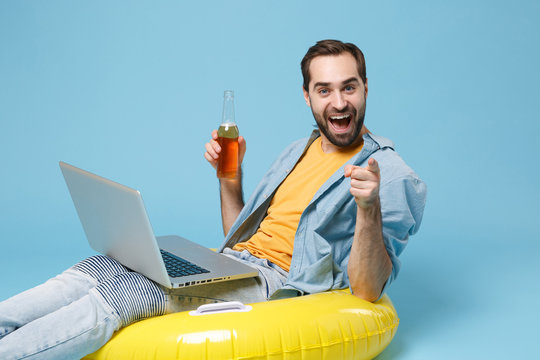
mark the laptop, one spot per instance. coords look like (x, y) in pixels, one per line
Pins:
(116, 224)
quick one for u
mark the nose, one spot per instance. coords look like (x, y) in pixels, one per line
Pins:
(338, 101)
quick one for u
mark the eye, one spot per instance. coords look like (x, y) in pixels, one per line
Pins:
(349, 88)
(323, 91)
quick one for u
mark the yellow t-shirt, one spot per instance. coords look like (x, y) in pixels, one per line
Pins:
(274, 240)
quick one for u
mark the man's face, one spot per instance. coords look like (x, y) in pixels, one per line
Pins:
(337, 97)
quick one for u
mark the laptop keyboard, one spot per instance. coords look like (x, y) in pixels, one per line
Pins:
(178, 267)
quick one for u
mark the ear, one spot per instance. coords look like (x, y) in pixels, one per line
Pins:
(306, 96)
(366, 89)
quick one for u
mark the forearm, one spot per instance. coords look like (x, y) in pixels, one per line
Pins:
(232, 201)
(369, 264)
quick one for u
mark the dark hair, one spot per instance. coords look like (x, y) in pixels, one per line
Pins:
(332, 47)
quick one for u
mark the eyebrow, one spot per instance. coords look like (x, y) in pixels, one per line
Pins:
(345, 82)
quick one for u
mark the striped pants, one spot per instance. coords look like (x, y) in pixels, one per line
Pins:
(78, 311)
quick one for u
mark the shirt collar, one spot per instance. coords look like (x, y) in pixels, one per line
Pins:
(381, 142)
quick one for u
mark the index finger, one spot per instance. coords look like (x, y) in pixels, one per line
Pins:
(373, 166)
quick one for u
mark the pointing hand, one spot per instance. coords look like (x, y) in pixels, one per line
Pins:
(365, 182)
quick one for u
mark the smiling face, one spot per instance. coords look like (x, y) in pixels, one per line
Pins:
(337, 97)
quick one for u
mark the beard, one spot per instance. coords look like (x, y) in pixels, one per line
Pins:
(342, 139)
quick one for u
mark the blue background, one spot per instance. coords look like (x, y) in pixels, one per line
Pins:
(131, 90)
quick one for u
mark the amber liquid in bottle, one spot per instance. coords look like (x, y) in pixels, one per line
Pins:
(227, 167)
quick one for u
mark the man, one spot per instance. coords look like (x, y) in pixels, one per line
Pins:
(347, 245)
(334, 211)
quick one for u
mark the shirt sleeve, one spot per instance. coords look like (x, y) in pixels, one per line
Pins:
(402, 207)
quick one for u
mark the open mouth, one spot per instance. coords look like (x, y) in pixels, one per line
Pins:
(340, 123)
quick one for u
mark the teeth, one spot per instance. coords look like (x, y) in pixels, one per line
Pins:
(339, 117)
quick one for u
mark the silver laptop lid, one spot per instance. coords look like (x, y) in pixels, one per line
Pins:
(115, 222)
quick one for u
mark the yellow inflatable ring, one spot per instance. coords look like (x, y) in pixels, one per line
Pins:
(330, 325)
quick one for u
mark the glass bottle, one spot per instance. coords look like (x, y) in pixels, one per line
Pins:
(227, 167)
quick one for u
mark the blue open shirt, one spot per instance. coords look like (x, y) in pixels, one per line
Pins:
(323, 240)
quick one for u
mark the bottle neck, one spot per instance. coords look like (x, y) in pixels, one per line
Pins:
(228, 111)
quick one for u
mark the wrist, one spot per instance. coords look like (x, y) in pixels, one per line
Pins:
(230, 185)
(369, 210)
(231, 189)
(232, 182)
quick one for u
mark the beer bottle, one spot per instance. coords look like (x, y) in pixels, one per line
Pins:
(227, 167)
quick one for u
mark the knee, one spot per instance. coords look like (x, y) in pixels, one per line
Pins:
(100, 267)
(133, 297)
